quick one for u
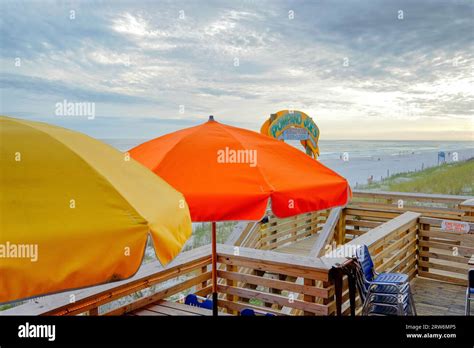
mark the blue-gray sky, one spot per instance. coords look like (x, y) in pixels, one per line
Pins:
(361, 69)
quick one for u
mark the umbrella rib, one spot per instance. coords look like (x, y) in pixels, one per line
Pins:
(155, 168)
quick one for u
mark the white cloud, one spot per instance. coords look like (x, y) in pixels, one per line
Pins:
(419, 70)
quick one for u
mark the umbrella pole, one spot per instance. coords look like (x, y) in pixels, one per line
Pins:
(214, 270)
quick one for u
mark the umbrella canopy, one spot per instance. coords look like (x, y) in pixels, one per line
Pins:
(229, 173)
(75, 212)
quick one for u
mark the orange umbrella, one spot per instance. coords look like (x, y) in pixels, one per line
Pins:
(230, 173)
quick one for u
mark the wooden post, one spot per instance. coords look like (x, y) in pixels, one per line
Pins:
(425, 227)
(309, 224)
(341, 228)
(255, 272)
(468, 210)
(309, 298)
(352, 293)
(214, 270)
(204, 283)
(272, 290)
(270, 242)
(337, 278)
(232, 298)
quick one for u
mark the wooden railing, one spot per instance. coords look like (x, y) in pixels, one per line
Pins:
(250, 238)
(429, 205)
(271, 292)
(366, 211)
(278, 232)
(468, 207)
(399, 241)
(392, 246)
(274, 233)
(444, 255)
(359, 220)
(189, 272)
(332, 231)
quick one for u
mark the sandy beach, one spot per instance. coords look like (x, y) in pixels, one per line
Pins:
(378, 159)
(358, 169)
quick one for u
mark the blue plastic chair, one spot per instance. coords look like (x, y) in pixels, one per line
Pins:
(198, 301)
(384, 293)
(470, 291)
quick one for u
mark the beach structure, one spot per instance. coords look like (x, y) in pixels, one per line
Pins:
(291, 266)
(441, 157)
(76, 212)
(293, 125)
(235, 174)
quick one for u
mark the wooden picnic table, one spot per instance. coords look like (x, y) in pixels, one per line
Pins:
(172, 308)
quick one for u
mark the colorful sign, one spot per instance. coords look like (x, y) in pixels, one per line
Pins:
(293, 125)
(455, 226)
(295, 134)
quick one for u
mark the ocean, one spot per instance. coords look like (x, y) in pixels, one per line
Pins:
(359, 160)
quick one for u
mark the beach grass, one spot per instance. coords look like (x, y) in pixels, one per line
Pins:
(202, 233)
(450, 178)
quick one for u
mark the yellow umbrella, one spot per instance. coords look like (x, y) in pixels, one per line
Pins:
(75, 212)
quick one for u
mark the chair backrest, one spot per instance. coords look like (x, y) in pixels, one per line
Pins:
(248, 312)
(471, 278)
(363, 255)
(197, 301)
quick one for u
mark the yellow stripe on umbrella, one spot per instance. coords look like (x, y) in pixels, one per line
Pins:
(75, 212)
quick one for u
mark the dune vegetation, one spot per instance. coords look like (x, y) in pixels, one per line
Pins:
(450, 178)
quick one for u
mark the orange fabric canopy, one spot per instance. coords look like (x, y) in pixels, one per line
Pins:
(229, 173)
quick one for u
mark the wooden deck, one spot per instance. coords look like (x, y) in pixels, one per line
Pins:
(268, 261)
(438, 298)
(301, 247)
(426, 292)
(171, 308)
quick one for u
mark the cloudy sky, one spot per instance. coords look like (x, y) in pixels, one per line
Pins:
(361, 69)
